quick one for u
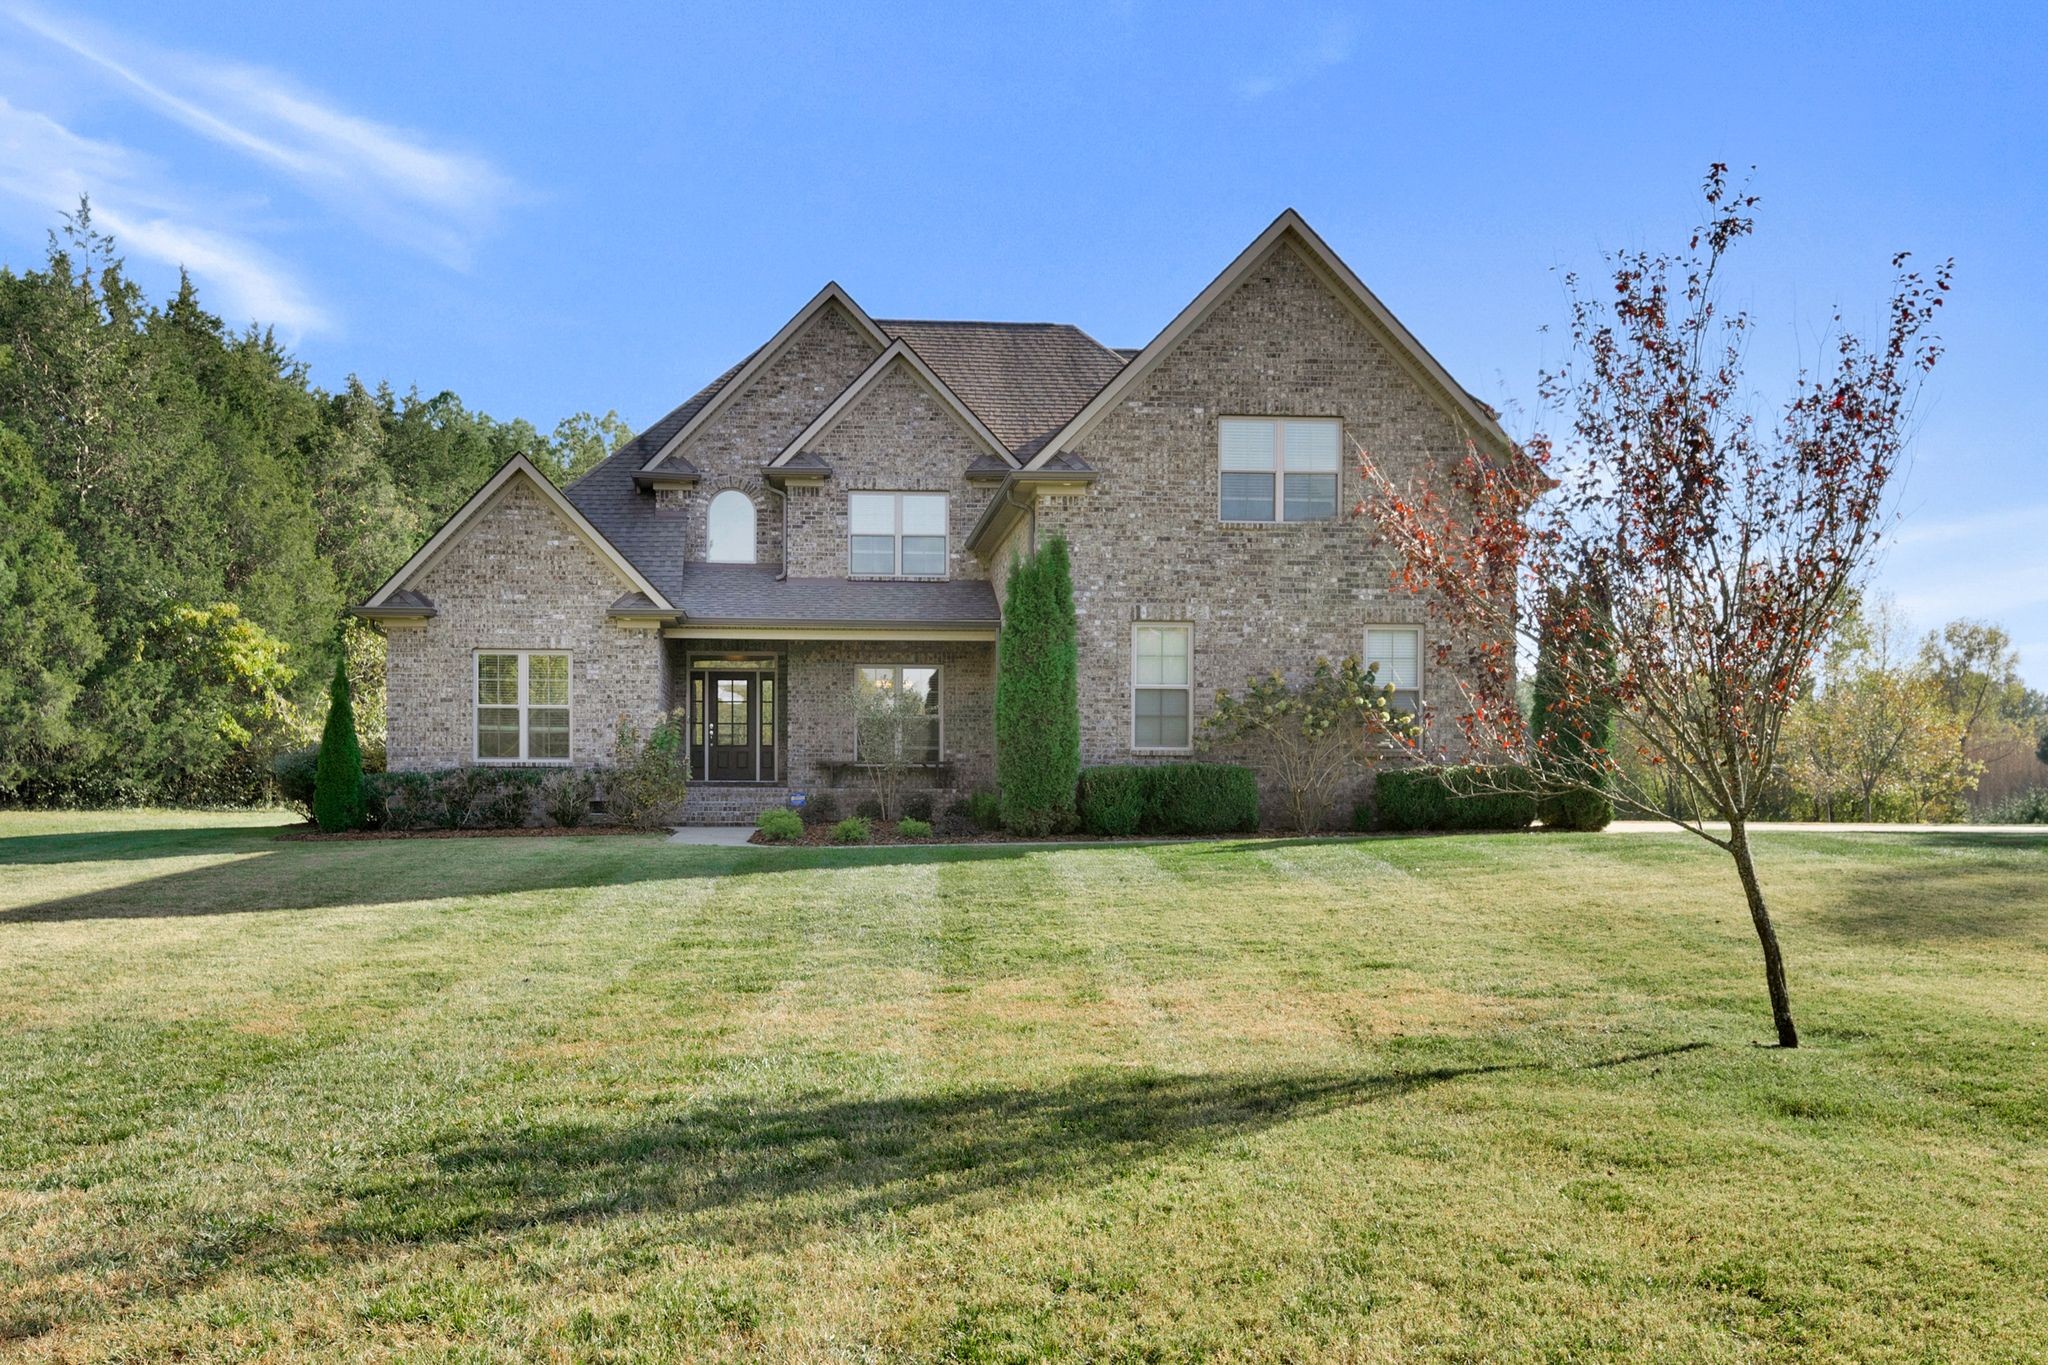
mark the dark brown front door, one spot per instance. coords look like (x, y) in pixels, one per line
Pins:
(730, 736)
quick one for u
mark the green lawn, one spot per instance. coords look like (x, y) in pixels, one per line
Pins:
(604, 1098)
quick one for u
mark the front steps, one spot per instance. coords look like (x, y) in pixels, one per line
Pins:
(706, 804)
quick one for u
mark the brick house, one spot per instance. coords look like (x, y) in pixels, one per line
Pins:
(840, 510)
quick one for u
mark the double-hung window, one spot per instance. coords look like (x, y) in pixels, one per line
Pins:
(522, 707)
(1397, 652)
(1279, 468)
(896, 535)
(1162, 687)
(898, 706)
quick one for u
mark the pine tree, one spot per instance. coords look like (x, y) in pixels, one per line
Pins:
(1038, 717)
(338, 803)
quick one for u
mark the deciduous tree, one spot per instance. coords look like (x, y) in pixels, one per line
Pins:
(1722, 546)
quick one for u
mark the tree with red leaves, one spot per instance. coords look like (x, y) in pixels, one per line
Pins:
(1687, 559)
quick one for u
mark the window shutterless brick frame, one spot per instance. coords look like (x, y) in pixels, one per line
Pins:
(938, 680)
(522, 707)
(818, 708)
(1162, 750)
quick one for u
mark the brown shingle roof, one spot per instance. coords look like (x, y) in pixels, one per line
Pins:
(1024, 379)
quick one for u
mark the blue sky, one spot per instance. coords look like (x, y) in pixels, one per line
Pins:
(549, 207)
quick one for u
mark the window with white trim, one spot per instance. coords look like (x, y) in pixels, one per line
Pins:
(1162, 687)
(729, 528)
(522, 706)
(1397, 651)
(1279, 468)
(896, 535)
(916, 730)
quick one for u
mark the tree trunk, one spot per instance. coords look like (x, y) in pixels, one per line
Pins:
(1774, 961)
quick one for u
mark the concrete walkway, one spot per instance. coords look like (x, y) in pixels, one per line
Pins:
(1815, 827)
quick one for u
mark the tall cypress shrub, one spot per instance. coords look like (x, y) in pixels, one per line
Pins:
(1038, 713)
(1576, 809)
(338, 803)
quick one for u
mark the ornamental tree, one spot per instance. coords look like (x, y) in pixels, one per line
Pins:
(1038, 714)
(338, 800)
(1315, 733)
(1708, 550)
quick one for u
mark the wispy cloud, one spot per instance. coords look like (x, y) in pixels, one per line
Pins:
(393, 182)
(48, 167)
(1963, 530)
(1330, 46)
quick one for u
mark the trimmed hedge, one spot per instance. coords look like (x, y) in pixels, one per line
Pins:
(1169, 798)
(1429, 798)
(456, 798)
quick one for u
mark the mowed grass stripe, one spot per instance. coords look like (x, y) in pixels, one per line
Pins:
(1447, 1099)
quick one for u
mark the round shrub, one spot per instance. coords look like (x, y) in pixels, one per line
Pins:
(779, 823)
(912, 828)
(295, 772)
(854, 829)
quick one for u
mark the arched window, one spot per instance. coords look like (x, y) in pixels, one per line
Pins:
(729, 529)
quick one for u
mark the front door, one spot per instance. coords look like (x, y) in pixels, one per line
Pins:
(730, 735)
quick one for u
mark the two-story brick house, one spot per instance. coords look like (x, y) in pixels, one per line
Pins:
(839, 511)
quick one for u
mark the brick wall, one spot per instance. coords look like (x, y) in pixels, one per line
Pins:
(820, 712)
(518, 577)
(1147, 541)
(899, 437)
(780, 401)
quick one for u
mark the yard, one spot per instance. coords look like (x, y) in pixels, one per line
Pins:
(1455, 1098)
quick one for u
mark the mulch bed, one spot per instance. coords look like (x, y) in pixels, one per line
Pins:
(311, 834)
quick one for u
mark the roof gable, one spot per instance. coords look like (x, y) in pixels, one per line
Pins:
(1288, 229)
(898, 351)
(831, 295)
(518, 467)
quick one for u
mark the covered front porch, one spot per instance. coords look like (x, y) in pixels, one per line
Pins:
(771, 718)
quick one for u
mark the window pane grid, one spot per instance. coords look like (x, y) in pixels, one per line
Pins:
(522, 706)
(896, 535)
(1279, 469)
(918, 733)
(1162, 693)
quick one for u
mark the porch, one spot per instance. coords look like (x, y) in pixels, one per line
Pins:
(772, 719)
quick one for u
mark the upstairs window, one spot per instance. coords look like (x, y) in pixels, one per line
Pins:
(522, 707)
(729, 529)
(1279, 468)
(896, 535)
(1397, 650)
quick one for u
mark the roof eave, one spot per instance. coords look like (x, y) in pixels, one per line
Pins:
(1002, 512)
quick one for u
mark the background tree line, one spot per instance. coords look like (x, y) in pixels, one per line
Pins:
(1893, 729)
(184, 518)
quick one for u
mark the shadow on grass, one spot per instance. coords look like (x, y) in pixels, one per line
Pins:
(343, 874)
(738, 1172)
(314, 875)
(130, 845)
